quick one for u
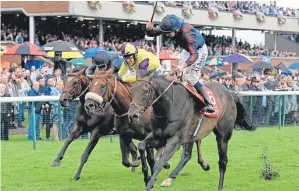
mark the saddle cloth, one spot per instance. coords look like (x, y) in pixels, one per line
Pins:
(211, 94)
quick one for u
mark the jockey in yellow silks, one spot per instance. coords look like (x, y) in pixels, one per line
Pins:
(136, 60)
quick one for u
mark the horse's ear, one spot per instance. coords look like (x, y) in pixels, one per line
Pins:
(139, 76)
(152, 73)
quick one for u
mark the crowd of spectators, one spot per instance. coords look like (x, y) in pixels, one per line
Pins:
(249, 7)
(217, 45)
(19, 82)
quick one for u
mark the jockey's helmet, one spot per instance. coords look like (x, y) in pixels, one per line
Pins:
(128, 50)
(102, 59)
(170, 23)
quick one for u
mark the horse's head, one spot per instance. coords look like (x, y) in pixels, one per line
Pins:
(74, 85)
(99, 92)
(143, 95)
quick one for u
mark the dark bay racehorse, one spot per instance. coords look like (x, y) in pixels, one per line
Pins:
(76, 85)
(105, 90)
(174, 121)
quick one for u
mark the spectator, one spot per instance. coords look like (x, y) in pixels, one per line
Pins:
(38, 112)
(55, 91)
(19, 38)
(6, 109)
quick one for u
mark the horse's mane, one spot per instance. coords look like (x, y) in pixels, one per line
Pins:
(108, 74)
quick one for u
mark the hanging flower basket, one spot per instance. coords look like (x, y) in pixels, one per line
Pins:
(160, 7)
(129, 6)
(261, 17)
(213, 13)
(281, 20)
(94, 4)
(187, 10)
(238, 15)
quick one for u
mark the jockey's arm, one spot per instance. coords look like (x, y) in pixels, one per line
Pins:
(153, 33)
(142, 70)
(192, 48)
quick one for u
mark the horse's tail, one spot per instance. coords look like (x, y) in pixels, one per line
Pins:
(243, 119)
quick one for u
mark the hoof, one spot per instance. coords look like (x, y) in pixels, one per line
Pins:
(167, 166)
(205, 166)
(56, 164)
(133, 169)
(166, 182)
(136, 163)
(76, 177)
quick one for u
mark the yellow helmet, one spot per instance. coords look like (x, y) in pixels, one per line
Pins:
(129, 49)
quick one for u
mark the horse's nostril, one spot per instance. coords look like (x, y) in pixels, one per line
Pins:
(135, 116)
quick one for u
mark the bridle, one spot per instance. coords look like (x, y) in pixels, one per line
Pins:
(134, 103)
(74, 93)
(107, 87)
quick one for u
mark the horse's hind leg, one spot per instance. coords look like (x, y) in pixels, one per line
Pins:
(204, 164)
(186, 156)
(95, 136)
(133, 151)
(78, 130)
(222, 142)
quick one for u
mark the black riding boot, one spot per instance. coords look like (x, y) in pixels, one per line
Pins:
(201, 90)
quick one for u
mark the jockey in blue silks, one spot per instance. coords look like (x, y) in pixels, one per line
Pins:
(194, 52)
(103, 60)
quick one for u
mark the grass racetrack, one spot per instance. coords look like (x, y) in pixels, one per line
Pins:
(25, 169)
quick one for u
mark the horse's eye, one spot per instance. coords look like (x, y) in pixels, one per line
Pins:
(146, 91)
(102, 86)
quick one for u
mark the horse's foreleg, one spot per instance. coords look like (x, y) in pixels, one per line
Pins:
(78, 130)
(133, 151)
(169, 150)
(150, 159)
(95, 136)
(204, 164)
(186, 156)
(222, 151)
(158, 155)
(125, 144)
(142, 147)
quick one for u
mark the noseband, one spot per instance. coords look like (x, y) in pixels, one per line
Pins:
(107, 87)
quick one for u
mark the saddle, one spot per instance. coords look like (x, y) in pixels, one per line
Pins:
(211, 94)
(198, 97)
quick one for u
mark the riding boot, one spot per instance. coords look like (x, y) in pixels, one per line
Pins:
(201, 90)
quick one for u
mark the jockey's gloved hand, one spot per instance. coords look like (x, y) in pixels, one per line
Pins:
(149, 26)
(180, 68)
(119, 78)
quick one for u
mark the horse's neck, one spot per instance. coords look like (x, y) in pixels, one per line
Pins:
(122, 98)
(165, 103)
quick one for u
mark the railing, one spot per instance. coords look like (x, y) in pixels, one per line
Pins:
(269, 104)
(266, 108)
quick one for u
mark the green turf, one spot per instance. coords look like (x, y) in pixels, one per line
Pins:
(26, 169)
